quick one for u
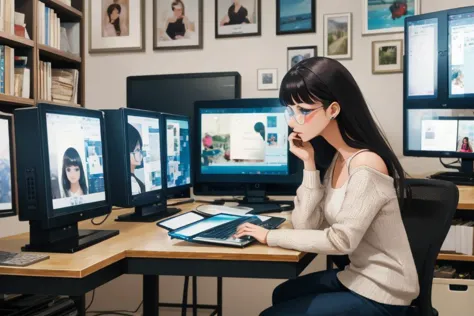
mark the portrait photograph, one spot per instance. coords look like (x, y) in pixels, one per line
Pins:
(267, 79)
(297, 54)
(387, 16)
(295, 16)
(237, 18)
(177, 24)
(116, 25)
(387, 57)
(338, 36)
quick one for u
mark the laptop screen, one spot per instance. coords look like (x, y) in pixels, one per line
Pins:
(206, 224)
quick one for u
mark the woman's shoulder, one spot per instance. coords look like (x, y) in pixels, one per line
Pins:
(370, 160)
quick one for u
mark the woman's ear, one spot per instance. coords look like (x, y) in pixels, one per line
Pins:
(333, 110)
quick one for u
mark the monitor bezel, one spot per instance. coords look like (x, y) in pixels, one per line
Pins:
(81, 212)
(224, 178)
(11, 141)
(182, 188)
(150, 197)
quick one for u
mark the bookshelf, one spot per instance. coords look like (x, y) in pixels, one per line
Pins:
(36, 51)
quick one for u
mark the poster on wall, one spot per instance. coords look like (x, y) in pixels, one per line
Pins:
(387, 57)
(297, 54)
(387, 16)
(295, 16)
(338, 36)
(116, 25)
(237, 18)
(177, 24)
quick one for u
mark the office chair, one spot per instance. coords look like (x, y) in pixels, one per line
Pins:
(427, 212)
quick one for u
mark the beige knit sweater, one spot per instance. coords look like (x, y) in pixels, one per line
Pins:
(361, 219)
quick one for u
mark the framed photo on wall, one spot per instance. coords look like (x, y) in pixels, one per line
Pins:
(294, 17)
(387, 16)
(177, 24)
(238, 18)
(338, 36)
(387, 57)
(297, 54)
(116, 26)
(267, 79)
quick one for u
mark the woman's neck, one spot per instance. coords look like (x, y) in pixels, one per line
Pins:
(75, 187)
(132, 169)
(333, 136)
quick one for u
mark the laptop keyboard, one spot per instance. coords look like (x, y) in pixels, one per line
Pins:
(21, 259)
(225, 231)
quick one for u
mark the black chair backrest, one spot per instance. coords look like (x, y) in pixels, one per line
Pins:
(427, 213)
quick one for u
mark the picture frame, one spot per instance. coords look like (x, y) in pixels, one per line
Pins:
(374, 16)
(292, 18)
(177, 24)
(299, 53)
(387, 57)
(246, 21)
(126, 32)
(338, 35)
(267, 79)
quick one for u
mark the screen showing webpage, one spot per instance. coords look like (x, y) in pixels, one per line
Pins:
(423, 59)
(461, 55)
(178, 153)
(5, 167)
(143, 134)
(244, 141)
(441, 130)
(75, 160)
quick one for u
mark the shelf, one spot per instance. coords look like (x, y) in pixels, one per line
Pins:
(15, 41)
(65, 13)
(16, 101)
(455, 257)
(57, 55)
(58, 103)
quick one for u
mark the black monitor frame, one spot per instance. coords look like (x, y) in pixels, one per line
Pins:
(183, 190)
(12, 212)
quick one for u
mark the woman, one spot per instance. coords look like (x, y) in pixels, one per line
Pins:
(465, 147)
(73, 175)
(237, 14)
(113, 27)
(177, 25)
(354, 211)
(135, 145)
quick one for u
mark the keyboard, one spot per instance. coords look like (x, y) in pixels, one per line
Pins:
(21, 259)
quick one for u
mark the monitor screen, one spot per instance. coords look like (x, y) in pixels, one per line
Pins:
(178, 153)
(440, 130)
(422, 58)
(5, 167)
(75, 159)
(143, 134)
(461, 55)
(244, 141)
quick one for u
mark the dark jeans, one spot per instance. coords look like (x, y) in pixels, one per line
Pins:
(322, 294)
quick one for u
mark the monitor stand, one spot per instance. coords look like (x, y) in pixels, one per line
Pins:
(67, 239)
(465, 175)
(149, 213)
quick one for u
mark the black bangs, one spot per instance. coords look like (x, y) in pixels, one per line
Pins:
(294, 87)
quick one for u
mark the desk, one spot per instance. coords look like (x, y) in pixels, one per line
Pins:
(144, 249)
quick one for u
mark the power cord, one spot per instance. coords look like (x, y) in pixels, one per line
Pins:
(92, 300)
(98, 224)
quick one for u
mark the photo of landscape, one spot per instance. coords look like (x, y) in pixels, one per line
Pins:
(295, 16)
(338, 35)
(388, 15)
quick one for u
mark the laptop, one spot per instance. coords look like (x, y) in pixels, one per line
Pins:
(220, 228)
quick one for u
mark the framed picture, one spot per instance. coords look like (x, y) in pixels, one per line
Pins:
(387, 57)
(297, 54)
(267, 79)
(116, 26)
(177, 24)
(294, 17)
(387, 16)
(338, 36)
(238, 18)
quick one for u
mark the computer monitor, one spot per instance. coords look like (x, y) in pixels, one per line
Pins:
(62, 175)
(442, 133)
(242, 142)
(7, 187)
(136, 149)
(178, 155)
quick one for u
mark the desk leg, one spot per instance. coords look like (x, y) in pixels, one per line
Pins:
(150, 295)
(80, 302)
(195, 310)
(219, 296)
(329, 263)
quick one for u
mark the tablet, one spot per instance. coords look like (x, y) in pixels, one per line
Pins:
(180, 220)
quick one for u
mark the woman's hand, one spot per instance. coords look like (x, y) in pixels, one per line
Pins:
(257, 232)
(302, 150)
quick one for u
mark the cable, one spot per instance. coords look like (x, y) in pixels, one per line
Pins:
(98, 224)
(118, 312)
(92, 300)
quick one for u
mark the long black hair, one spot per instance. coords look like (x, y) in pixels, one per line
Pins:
(116, 23)
(468, 146)
(326, 80)
(134, 138)
(71, 158)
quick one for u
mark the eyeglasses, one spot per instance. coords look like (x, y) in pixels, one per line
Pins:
(299, 114)
(137, 154)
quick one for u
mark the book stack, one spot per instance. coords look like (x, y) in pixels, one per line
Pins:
(7, 16)
(7, 70)
(48, 26)
(22, 77)
(58, 84)
(460, 238)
